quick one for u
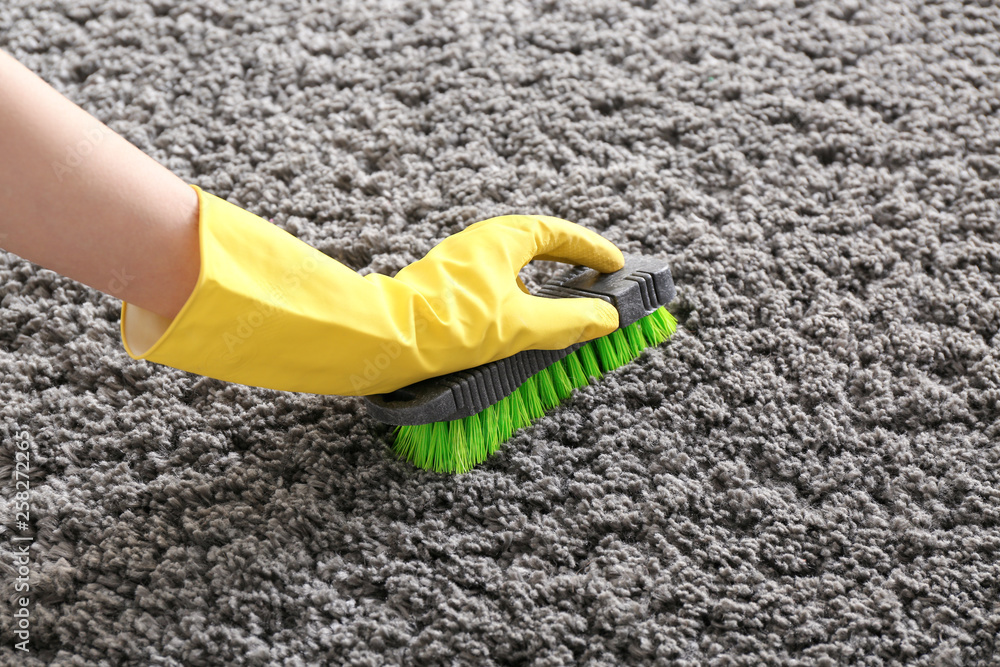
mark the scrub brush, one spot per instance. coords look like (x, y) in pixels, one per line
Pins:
(453, 422)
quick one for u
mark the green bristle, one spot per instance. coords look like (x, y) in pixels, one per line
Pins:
(456, 458)
(546, 390)
(663, 323)
(491, 428)
(414, 441)
(532, 399)
(457, 446)
(423, 443)
(636, 341)
(475, 440)
(445, 458)
(588, 357)
(519, 415)
(560, 380)
(403, 437)
(607, 352)
(623, 353)
(650, 332)
(504, 420)
(577, 376)
(669, 322)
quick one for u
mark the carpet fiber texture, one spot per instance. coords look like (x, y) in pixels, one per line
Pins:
(807, 473)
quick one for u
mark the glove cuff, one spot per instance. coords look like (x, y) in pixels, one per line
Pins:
(248, 273)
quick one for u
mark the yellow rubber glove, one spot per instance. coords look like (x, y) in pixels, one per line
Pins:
(270, 311)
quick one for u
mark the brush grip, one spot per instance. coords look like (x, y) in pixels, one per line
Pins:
(638, 289)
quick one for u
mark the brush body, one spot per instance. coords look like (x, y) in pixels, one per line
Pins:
(451, 423)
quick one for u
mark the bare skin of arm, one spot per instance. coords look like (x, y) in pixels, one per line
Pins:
(82, 201)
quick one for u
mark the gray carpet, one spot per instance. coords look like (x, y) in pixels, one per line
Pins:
(808, 473)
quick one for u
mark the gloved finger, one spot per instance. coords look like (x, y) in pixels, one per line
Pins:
(559, 323)
(559, 240)
(548, 238)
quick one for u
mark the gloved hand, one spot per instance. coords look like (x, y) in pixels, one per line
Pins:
(270, 311)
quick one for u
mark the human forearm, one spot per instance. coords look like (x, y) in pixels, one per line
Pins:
(80, 200)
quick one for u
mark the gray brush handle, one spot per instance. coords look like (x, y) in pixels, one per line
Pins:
(642, 286)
